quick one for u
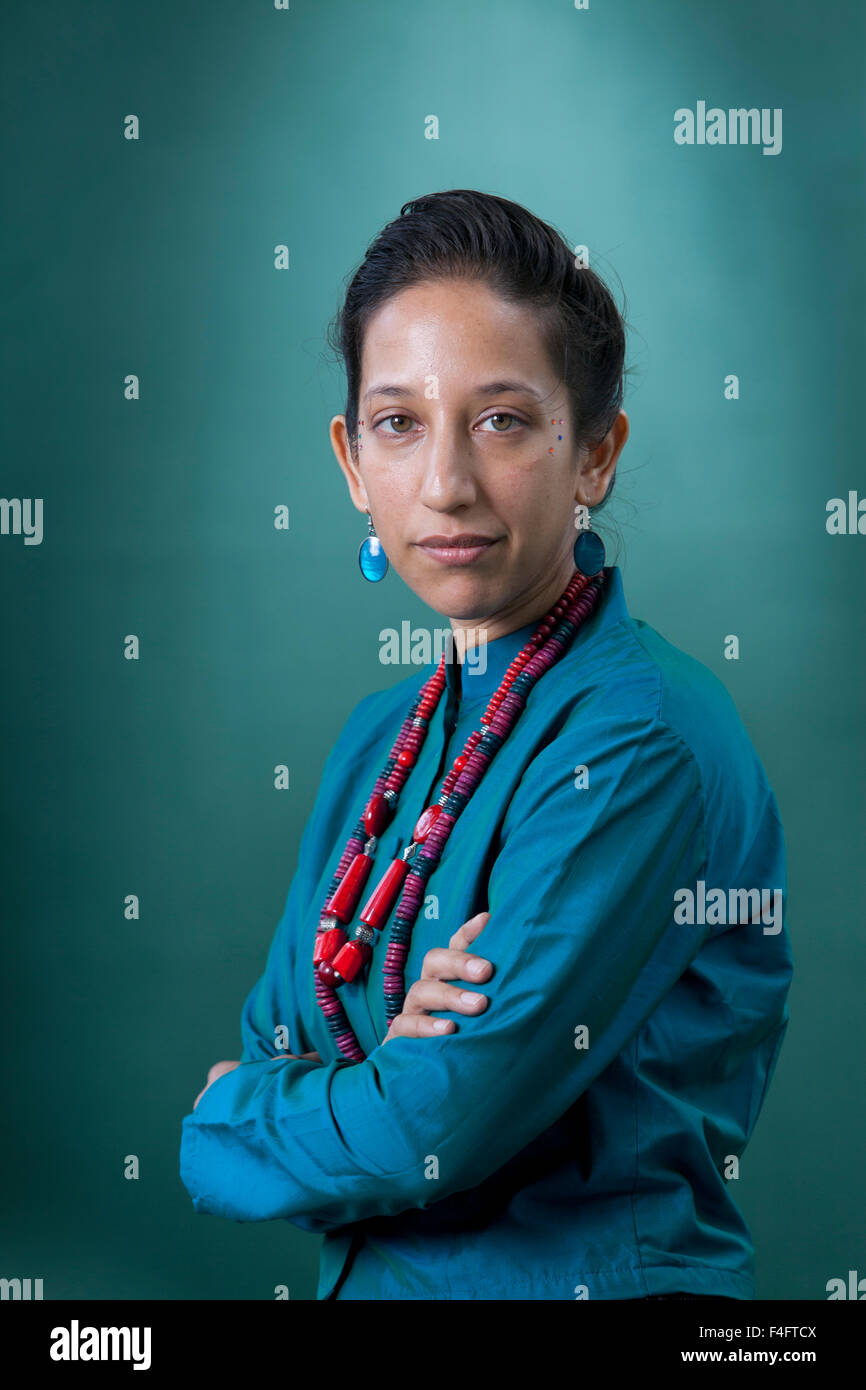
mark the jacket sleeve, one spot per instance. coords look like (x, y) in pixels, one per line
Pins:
(271, 1003)
(584, 943)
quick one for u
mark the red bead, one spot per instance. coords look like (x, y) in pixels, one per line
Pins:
(382, 899)
(346, 895)
(350, 959)
(426, 821)
(406, 758)
(326, 973)
(460, 763)
(377, 814)
(328, 944)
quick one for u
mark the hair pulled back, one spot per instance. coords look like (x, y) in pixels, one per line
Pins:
(464, 234)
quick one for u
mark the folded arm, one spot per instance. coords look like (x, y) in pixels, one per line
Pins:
(585, 946)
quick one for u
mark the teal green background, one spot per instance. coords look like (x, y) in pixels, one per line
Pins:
(156, 776)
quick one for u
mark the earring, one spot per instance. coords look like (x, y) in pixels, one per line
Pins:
(371, 556)
(588, 544)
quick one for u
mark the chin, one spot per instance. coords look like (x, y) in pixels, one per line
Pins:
(463, 596)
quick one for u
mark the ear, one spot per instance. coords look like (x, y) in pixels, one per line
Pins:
(340, 444)
(599, 466)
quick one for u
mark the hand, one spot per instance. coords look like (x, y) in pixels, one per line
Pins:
(430, 992)
(220, 1068)
(216, 1071)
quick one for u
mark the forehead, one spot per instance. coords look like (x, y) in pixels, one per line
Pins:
(455, 326)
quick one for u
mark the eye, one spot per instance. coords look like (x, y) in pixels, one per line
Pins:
(501, 415)
(386, 418)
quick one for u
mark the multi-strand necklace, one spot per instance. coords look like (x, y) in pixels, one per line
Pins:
(336, 960)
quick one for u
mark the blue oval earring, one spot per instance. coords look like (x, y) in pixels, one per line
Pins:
(371, 557)
(588, 545)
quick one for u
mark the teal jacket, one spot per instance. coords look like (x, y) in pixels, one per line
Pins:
(581, 1137)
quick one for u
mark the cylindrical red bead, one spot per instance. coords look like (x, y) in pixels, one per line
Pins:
(328, 944)
(345, 898)
(350, 959)
(383, 897)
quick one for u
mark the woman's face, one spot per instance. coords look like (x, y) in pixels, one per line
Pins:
(465, 429)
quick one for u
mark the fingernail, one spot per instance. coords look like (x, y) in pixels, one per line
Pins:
(440, 1025)
(469, 997)
(476, 968)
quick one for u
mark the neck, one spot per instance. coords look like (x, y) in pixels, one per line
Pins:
(470, 634)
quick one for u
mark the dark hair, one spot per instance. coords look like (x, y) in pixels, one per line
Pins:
(466, 234)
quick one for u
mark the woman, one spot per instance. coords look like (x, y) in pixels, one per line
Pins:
(606, 835)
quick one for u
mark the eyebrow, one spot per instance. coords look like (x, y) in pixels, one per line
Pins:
(490, 388)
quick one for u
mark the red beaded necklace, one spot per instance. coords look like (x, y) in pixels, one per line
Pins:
(336, 960)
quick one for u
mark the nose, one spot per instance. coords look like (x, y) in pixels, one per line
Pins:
(448, 479)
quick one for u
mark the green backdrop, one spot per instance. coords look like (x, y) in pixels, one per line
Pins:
(154, 257)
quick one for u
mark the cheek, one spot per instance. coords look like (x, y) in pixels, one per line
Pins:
(537, 507)
(392, 499)
(541, 460)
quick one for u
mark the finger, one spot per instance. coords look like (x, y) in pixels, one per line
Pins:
(465, 935)
(419, 1026)
(446, 963)
(427, 995)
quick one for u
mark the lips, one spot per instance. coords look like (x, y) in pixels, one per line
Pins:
(457, 550)
(468, 538)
